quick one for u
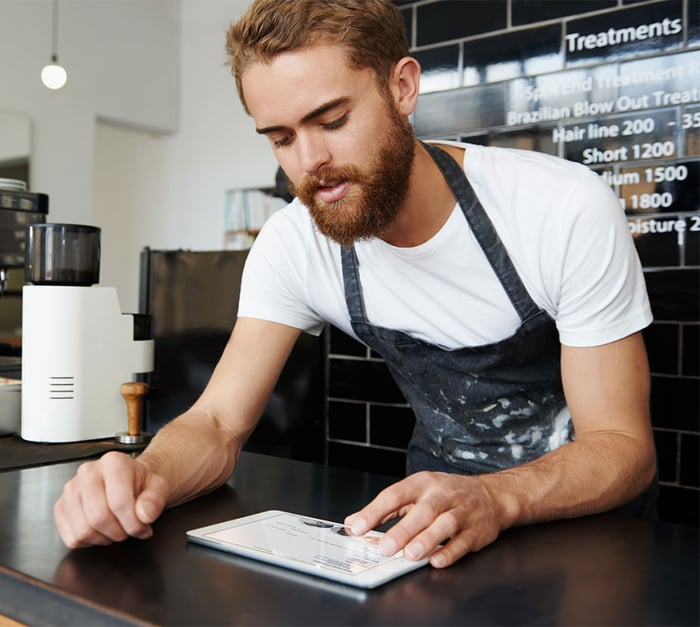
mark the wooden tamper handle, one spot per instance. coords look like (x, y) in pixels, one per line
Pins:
(133, 393)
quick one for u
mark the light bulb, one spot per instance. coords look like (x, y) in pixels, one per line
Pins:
(54, 76)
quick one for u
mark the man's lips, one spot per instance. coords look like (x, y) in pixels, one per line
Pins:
(332, 193)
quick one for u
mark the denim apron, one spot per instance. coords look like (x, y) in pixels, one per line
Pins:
(482, 408)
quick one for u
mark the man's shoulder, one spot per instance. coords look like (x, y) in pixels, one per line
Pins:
(523, 160)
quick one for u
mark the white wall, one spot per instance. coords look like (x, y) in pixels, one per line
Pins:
(148, 133)
(169, 192)
(15, 137)
(121, 57)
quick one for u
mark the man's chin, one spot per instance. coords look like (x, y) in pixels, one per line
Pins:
(346, 239)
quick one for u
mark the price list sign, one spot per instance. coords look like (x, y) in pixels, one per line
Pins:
(626, 104)
(646, 147)
(637, 124)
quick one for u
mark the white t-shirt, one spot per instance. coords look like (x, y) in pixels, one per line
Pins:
(561, 224)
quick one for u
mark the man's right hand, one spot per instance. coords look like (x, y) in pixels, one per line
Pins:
(109, 500)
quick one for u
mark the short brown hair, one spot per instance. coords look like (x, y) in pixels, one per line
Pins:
(372, 31)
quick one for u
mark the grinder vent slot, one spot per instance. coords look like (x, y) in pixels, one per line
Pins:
(61, 388)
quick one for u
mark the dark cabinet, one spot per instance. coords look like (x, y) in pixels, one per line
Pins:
(192, 300)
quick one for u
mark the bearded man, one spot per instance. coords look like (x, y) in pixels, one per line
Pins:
(501, 287)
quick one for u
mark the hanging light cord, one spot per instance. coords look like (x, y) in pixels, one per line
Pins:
(54, 31)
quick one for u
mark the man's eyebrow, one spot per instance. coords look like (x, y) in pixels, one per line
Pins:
(319, 111)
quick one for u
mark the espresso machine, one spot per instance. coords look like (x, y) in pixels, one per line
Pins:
(81, 355)
(18, 209)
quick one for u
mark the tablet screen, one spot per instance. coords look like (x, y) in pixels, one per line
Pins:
(311, 545)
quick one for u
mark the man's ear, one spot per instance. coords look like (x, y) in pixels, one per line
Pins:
(405, 84)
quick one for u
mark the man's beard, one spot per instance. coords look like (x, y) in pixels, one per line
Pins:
(375, 196)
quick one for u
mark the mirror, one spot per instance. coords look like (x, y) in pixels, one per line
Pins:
(15, 145)
(15, 151)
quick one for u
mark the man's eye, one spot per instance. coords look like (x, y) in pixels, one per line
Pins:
(336, 124)
(282, 141)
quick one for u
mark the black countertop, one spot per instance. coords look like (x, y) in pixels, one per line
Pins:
(17, 453)
(601, 570)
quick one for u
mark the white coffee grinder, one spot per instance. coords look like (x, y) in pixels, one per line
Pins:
(78, 349)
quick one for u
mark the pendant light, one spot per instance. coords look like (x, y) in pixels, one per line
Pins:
(53, 75)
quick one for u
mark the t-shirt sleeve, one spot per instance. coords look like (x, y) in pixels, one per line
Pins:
(603, 294)
(273, 285)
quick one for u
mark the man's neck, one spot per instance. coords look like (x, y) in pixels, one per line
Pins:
(429, 201)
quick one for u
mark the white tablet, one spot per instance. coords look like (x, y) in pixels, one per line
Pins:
(310, 545)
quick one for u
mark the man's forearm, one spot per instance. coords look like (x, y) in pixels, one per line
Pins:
(595, 473)
(193, 454)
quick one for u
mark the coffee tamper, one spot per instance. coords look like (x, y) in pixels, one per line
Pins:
(133, 394)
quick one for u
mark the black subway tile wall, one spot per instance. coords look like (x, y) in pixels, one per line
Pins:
(693, 22)
(442, 21)
(369, 422)
(530, 11)
(690, 365)
(613, 84)
(362, 379)
(501, 57)
(439, 68)
(667, 452)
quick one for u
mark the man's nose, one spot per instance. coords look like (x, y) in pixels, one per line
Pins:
(313, 152)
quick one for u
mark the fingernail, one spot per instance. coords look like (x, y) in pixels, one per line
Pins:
(359, 527)
(387, 546)
(414, 551)
(438, 560)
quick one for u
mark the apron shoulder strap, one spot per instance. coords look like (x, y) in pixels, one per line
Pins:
(351, 284)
